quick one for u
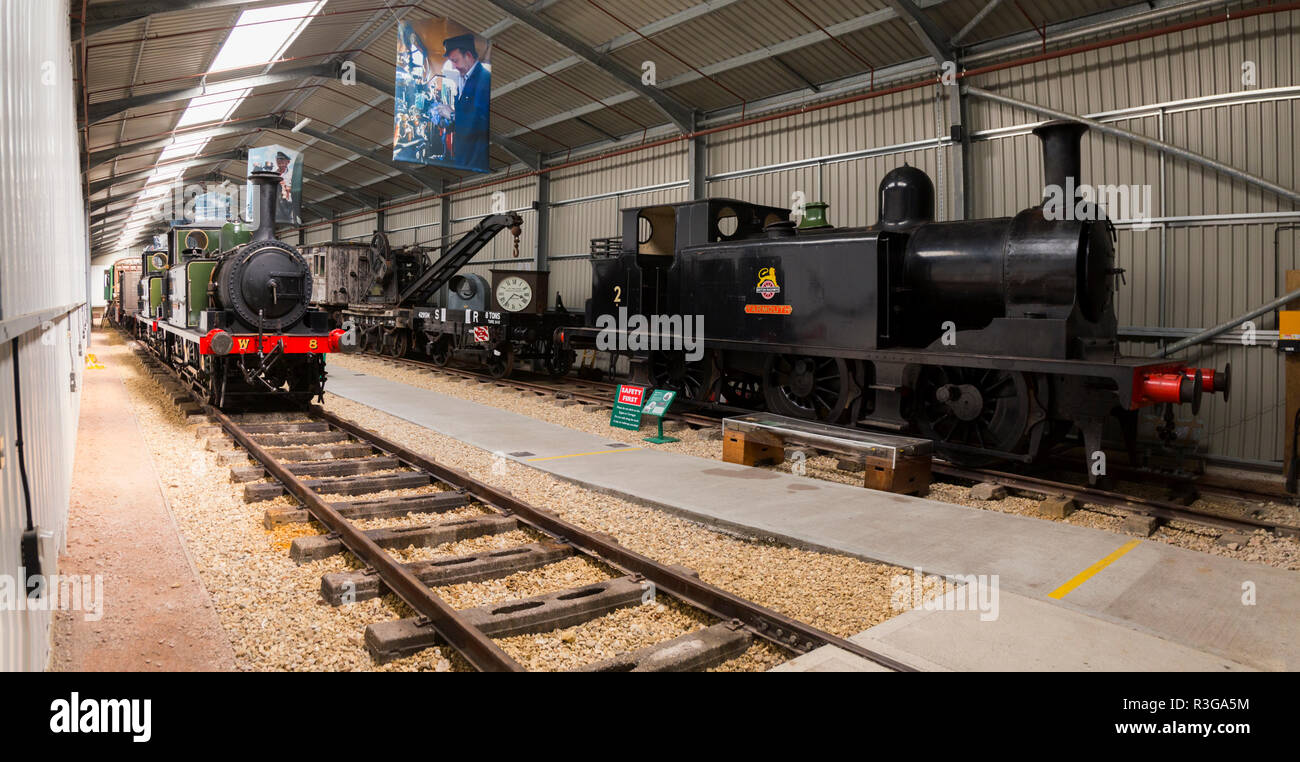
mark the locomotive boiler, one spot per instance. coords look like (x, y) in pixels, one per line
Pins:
(230, 311)
(994, 337)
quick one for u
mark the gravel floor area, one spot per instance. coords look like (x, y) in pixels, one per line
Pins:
(839, 594)
(270, 607)
(275, 620)
(1259, 547)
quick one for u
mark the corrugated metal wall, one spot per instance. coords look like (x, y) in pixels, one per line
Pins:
(44, 265)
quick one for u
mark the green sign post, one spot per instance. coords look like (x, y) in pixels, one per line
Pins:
(627, 408)
(657, 406)
(632, 403)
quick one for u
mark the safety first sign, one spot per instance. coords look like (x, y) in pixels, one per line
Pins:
(627, 408)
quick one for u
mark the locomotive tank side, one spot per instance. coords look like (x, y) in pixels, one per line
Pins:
(788, 290)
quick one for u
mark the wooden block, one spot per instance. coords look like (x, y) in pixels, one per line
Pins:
(749, 449)
(910, 475)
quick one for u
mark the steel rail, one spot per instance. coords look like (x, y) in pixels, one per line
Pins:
(1130, 503)
(764, 622)
(483, 653)
(480, 650)
(557, 389)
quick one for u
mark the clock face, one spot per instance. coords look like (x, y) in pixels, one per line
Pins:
(514, 294)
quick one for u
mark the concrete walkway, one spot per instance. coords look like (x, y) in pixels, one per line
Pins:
(1167, 594)
(156, 614)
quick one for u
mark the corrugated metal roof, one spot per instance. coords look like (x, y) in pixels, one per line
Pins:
(750, 49)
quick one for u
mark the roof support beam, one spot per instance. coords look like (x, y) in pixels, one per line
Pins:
(382, 156)
(622, 41)
(317, 178)
(98, 112)
(858, 23)
(677, 112)
(322, 212)
(988, 8)
(931, 36)
(105, 16)
(108, 154)
(109, 182)
(1159, 145)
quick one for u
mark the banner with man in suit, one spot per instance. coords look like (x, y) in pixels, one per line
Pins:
(442, 95)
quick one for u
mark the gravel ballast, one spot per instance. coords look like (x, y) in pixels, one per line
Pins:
(274, 617)
(1260, 547)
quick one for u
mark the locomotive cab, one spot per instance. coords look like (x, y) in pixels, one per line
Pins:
(644, 277)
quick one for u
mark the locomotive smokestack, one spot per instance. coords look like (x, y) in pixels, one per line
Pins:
(1061, 149)
(266, 185)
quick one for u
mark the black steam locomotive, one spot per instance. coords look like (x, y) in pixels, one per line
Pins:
(230, 311)
(995, 337)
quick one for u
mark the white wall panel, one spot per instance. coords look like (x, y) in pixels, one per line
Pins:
(44, 265)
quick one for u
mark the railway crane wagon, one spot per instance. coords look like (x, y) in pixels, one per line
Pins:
(387, 297)
(995, 338)
(228, 309)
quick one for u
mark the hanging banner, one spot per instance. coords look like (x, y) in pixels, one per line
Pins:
(287, 162)
(442, 95)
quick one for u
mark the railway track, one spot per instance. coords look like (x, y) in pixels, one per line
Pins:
(333, 468)
(1133, 504)
(584, 390)
(597, 392)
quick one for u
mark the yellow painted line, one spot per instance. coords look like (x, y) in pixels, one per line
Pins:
(1091, 571)
(580, 454)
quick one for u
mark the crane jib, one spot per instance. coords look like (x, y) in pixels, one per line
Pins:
(458, 255)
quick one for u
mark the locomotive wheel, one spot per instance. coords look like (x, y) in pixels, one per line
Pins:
(440, 353)
(692, 380)
(799, 386)
(304, 382)
(560, 361)
(984, 408)
(741, 390)
(500, 365)
(217, 383)
(399, 343)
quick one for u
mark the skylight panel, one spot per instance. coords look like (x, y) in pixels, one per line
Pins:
(260, 36)
(263, 34)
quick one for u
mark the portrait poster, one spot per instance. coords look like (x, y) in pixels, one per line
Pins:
(288, 163)
(442, 95)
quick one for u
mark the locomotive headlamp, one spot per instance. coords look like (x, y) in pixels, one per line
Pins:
(221, 343)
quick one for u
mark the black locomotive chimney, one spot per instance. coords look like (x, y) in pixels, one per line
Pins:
(1062, 140)
(266, 184)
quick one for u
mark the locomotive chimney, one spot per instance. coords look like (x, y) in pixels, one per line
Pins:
(1061, 149)
(266, 184)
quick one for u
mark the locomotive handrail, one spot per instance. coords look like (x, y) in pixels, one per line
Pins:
(1210, 333)
(458, 255)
